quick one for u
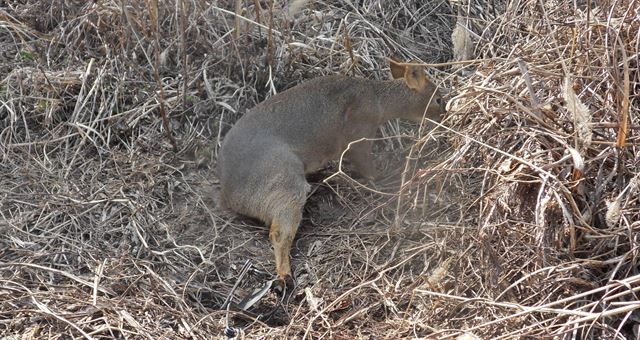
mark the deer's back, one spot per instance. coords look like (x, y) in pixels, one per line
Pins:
(308, 119)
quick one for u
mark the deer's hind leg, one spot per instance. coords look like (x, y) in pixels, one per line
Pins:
(286, 198)
(282, 232)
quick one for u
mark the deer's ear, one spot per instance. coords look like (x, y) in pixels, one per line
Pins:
(397, 69)
(415, 77)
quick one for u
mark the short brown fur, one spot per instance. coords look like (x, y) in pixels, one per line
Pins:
(265, 156)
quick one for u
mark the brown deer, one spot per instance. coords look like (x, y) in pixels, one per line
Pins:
(265, 156)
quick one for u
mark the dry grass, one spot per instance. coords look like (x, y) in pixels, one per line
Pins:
(517, 217)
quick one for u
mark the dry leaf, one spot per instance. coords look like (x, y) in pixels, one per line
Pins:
(581, 115)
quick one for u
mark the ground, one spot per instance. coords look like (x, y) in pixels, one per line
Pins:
(515, 218)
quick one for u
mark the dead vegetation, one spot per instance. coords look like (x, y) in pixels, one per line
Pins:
(518, 217)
